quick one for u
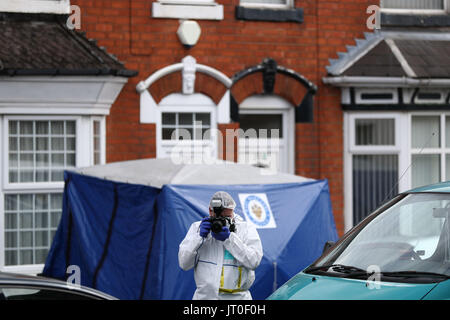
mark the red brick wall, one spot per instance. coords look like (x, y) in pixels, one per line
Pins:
(126, 29)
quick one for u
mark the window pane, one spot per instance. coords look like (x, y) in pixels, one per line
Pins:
(58, 144)
(447, 167)
(425, 132)
(204, 118)
(26, 256)
(13, 144)
(42, 160)
(26, 220)
(42, 144)
(185, 119)
(426, 169)
(58, 160)
(13, 160)
(70, 127)
(185, 133)
(11, 239)
(447, 132)
(168, 118)
(29, 148)
(10, 257)
(70, 159)
(29, 225)
(42, 127)
(70, 144)
(26, 144)
(263, 124)
(26, 160)
(413, 4)
(57, 127)
(374, 182)
(167, 133)
(41, 219)
(26, 127)
(375, 132)
(13, 127)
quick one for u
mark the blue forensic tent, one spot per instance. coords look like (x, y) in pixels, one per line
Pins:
(122, 224)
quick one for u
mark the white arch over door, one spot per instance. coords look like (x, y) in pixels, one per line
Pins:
(188, 67)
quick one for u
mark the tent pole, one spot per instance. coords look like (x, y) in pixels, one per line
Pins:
(274, 276)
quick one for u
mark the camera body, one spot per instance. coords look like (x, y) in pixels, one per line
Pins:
(218, 222)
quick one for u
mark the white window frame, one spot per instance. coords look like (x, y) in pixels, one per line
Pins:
(178, 103)
(36, 6)
(288, 4)
(36, 185)
(187, 9)
(83, 157)
(402, 143)
(403, 148)
(446, 10)
(258, 104)
(102, 121)
(360, 91)
(443, 150)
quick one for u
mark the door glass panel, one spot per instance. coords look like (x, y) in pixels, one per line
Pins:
(260, 122)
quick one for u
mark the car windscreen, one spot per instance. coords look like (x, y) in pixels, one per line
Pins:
(407, 240)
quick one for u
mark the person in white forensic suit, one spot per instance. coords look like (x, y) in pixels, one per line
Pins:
(224, 262)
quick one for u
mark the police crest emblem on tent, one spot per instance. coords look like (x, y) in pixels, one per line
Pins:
(257, 210)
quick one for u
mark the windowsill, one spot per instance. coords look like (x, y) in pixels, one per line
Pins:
(205, 11)
(36, 6)
(269, 14)
(389, 19)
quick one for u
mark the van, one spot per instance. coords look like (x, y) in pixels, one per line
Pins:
(400, 251)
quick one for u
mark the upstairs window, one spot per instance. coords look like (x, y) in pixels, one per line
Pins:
(414, 6)
(268, 3)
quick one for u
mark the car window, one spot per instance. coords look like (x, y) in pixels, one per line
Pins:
(21, 293)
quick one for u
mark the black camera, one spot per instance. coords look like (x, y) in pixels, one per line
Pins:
(218, 222)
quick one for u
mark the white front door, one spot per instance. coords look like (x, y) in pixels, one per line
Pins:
(267, 138)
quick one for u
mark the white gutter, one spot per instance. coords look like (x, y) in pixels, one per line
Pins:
(346, 81)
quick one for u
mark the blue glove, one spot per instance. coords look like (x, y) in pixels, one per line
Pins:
(205, 227)
(222, 235)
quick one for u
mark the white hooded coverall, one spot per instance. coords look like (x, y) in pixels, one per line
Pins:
(222, 269)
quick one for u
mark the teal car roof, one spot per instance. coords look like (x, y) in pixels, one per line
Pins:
(443, 187)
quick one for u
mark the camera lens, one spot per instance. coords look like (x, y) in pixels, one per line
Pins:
(217, 224)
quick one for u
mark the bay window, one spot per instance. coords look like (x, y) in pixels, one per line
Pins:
(415, 6)
(388, 153)
(36, 151)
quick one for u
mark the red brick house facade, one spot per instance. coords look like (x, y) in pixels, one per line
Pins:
(312, 69)
(147, 44)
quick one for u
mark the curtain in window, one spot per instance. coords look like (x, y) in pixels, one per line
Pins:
(374, 182)
(413, 4)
